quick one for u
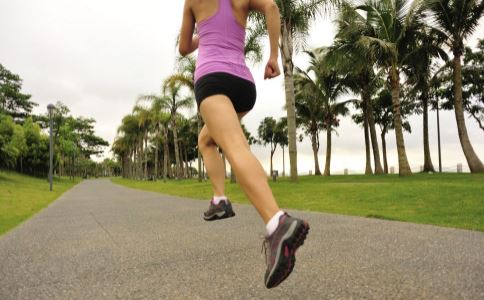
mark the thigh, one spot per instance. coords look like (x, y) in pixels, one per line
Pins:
(223, 122)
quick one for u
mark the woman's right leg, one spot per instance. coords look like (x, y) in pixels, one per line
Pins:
(224, 127)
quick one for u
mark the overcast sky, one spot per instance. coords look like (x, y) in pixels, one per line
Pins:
(98, 56)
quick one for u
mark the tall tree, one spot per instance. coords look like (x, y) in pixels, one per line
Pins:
(347, 55)
(282, 140)
(323, 85)
(296, 17)
(173, 91)
(458, 19)
(12, 101)
(267, 135)
(383, 112)
(394, 24)
(309, 108)
(159, 117)
(419, 73)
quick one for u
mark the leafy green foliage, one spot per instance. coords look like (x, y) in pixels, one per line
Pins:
(12, 101)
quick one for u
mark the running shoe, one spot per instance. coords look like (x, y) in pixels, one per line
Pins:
(221, 211)
(280, 249)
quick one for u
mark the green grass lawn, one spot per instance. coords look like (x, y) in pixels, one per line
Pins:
(22, 196)
(452, 200)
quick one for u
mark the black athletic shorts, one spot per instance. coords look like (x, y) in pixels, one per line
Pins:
(240, 91)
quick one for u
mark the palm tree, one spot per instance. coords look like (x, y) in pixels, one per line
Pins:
(173, 90)
(383, 113)
(348, 57)
(144, 124)
(419, 75)
(325, 88)
(296, 16)
(159, 117)
(267, 135)
(282, 140)
(309, 108)
(457, 20)
(394, 25)
(128, 132)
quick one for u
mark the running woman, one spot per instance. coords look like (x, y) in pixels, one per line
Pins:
(225, 92)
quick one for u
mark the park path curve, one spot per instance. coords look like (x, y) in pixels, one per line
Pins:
(104, 241)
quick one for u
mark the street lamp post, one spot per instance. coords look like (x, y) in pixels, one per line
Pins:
(50, 108)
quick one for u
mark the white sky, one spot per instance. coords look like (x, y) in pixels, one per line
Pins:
(98, 56)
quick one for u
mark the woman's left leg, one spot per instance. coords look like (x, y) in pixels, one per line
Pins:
(213, 161)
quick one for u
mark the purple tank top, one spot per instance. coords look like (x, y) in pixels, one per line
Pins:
(221, 44)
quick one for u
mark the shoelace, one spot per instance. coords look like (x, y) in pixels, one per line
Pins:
(265, 245)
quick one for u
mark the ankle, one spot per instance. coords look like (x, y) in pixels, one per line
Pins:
(271, 226)
(216, 199)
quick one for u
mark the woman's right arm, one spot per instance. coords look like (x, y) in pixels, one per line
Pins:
(273, 19)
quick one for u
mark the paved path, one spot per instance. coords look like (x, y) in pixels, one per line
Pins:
(101, 240)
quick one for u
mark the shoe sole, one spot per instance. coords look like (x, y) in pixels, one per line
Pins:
(216, 216)
(287, 258)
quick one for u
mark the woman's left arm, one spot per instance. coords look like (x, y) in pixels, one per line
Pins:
(188, 42)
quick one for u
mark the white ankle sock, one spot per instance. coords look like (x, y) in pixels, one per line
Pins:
(216, 199)
(271, 226)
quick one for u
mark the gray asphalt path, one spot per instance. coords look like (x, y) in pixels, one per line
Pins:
(104, 241)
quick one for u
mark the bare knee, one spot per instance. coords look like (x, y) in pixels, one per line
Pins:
(205, 142)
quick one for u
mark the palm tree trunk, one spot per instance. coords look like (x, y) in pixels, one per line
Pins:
(384, 149)
(327, 166)
(374, 140)
(182, 161)
(272, 154)
(146, 156)
(166, 154)
(315, 146)
(288, 67)
(403, 166)
(156, 152)
(438, 137)
(199, 155)
(428, 166)
(283, 163)
(175, 141)
(368, 170)
(187, 169)
(475, 164)
(135, 161)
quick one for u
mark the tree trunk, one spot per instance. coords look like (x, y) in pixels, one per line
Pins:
(438, 138)
(146, 156)
(384, 149)
(288, 67)
(327, 166)
(315, 145)
(368, 170)
(283, 163)
(156, 153)
(374, 140)
(475, 164)
(175, 141)
(166, 154)
(182, 161)
(428, 166)
(199, 155)
(403, 166)
(187, 168)
(272, 154)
